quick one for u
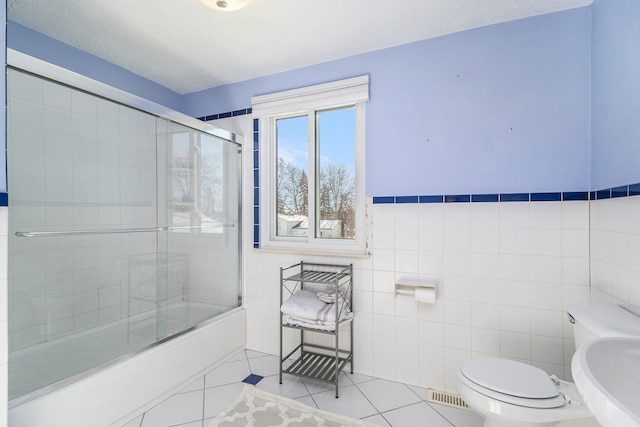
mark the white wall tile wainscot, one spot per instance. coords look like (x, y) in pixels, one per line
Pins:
(615, 251)
(506, 272)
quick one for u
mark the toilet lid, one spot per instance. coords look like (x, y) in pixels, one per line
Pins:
(509, 377)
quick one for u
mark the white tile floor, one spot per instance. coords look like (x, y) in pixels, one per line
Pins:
(376, 400)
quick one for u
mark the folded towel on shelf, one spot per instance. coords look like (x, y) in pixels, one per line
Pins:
(317, 324)
(328, 297)
(305, 305)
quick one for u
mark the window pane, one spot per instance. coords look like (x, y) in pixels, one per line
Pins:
(182, 178)
(292, 172)
(211, 215)
(336, 196)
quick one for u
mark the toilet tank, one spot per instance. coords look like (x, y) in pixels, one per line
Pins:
(602, 320)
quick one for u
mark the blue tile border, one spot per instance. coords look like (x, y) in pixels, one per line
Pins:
(227, 114)
(615, 192)
(4, 199)
(575, 195)
(256, 182)
(457, 198)
(431, 199)
(380, 200)
(514, 197)
(620, 191)
(484, 198)
(546, 197)
(407, 199)
(608, 193)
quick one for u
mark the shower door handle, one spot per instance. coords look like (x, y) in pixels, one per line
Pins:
(86, 232)
(109, 231)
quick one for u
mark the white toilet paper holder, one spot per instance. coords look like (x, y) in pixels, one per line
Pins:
(407, 287)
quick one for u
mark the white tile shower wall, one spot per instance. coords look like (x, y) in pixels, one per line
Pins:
(99, 173)
(198, 256)
(4, 341)
(615, 251)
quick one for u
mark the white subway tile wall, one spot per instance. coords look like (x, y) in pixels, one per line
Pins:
(615, 250)
(506, 273)
(4, 335)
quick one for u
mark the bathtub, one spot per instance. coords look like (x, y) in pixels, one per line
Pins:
(121, 392)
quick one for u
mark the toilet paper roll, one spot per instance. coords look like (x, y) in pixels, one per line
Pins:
(426, 295)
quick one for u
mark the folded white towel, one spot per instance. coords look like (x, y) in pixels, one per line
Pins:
(317, 324)
(305, 304)
(328, 297)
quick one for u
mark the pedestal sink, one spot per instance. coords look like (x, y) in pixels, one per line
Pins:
(607, 374)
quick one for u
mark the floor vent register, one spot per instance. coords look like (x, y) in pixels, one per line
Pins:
(448, 399)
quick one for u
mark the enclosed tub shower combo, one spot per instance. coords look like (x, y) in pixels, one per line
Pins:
(124, 233)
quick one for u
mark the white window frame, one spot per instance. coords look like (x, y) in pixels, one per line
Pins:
(268, 108)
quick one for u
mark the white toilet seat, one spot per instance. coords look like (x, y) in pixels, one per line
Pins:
(502, 409)
(511, 382)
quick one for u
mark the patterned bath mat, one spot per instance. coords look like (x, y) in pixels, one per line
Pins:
(255, 407)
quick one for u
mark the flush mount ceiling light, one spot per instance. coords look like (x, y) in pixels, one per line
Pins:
(226, 5)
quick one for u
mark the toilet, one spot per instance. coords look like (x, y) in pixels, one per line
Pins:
(513, 394)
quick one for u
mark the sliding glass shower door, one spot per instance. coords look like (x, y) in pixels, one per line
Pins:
(123, 231)
(201, 213)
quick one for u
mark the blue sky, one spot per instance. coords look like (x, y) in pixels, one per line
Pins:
(337, 138)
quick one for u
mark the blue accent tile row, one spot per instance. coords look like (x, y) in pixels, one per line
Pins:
(514, 197)
(457, 198)
(620, 191)
(431, 199)
(546, 197)
(256, 178)
(407, 199)
(484, 198)
(623, 191)
(575, 195)
(384, 199)
(615, 192)
(225, 115)
(4, 199)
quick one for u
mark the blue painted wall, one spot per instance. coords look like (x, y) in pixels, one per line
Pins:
(615, 93)
(500, 109)
(497, 109)
(38, 45)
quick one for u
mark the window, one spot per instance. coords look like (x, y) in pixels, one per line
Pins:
(312, 167)
(196, 186)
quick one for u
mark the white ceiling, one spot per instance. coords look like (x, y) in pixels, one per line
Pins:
(186, 46)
